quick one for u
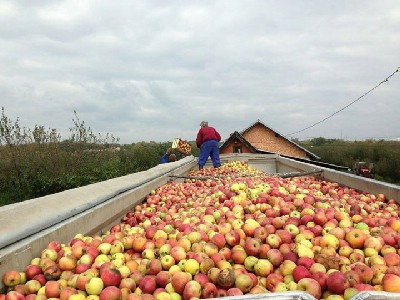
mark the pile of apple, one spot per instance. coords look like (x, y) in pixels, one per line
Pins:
(225, 232)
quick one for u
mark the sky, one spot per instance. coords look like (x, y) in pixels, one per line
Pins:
(153, 70)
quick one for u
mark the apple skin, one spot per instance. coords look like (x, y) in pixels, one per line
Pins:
(320, 277)
(53, 289)
(391, 283)
(244, 283)
(275, 257)
(14, 295)
(306, 262)
(32, 286)
(41, 278)
(179, 280)
(94, 286)
(67, 292)
(192, 290)
(111, 276)
(163, 278)
(12, 278)
(178, 253)
(353, 277)
(356, 238)
(110, 293)
(310, 286)
(300, 272)
(209, 290)
(392, 259)
(32, 270)
(365, 272)
(272, 280)
(263, 267)
(337, 282)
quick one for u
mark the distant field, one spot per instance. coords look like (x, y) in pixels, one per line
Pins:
(385, 155)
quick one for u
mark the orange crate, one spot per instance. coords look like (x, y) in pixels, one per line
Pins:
(182, 146)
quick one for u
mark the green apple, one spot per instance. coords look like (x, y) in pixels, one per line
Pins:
(94, 286)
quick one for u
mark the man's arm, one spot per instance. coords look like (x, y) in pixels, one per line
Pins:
(199, 139)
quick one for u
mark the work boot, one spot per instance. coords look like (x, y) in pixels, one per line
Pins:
(200, 167)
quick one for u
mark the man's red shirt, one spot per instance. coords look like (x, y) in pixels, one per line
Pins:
(205, 134)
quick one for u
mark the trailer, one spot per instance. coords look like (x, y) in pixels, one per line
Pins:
(27, 228)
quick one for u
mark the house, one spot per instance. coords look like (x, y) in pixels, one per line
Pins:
(259, 138)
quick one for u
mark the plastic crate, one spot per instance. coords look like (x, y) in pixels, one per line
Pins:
(376, 295)
(294, 295)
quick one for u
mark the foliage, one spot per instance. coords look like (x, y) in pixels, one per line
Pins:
(384, 155)
(37, 162)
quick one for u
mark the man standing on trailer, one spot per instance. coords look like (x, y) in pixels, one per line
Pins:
(208, 141)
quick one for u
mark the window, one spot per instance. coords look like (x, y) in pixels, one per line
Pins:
(237, 149)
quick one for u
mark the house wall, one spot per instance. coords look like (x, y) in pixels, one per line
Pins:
(229, 148)
(265, 139)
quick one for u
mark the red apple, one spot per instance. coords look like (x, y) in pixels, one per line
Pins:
(310, 286)
(110, 293)
(337, 282)
(300, 272)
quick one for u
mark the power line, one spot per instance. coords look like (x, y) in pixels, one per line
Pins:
(351, 103)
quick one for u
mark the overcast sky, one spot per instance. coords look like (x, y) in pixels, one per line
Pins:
(153, 70)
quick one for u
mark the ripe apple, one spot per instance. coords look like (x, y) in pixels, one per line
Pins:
(32, 286)
(67, 292)
(67, 262)
(94, 286)
(12, 278)
(252, 246)
(179, 280)
(272, 280)
(110, 293)
(365, 272)
(148, 284)
(14, 295)
(391, 283)
(337, 282)
(263, 267)
(320, 277)
(310, 286)
(192, 266)
(111, 276)
(356, 238)
(275, 257)
(191, 290)
(53, 289)
(32, 270)
(300, 272)
(392, 259)
(244, 283)
(178, 253)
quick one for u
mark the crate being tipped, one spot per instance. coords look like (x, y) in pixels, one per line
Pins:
(182, 146)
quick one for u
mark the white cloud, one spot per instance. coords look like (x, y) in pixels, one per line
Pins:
(151, 70)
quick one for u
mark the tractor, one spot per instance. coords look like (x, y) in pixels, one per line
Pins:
(363, 169)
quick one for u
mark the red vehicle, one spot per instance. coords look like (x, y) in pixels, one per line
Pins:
(363, 169)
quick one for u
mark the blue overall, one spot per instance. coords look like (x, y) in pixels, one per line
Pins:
(209, 148)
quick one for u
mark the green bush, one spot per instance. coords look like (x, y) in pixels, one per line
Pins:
(35, 163)
(385, 155)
